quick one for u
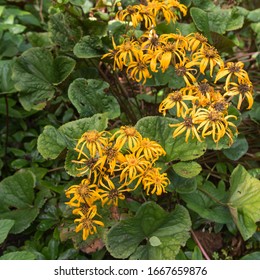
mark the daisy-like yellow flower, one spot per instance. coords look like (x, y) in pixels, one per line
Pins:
(173, 4)
(188, 126)
(87, 165)
(196, 40)
(127, 134)
(186, 73)
(214, 123)
(206, 56)
(150, 41)
(93, 141)
(160, 8)
(155, 182)
(113, 54)
(232, 69)
(133, 167)
(177, 99)
(127, 52)
(147, 17)
(85, 192)
(109, 193)
(138, 69)
(150, 149)
(180, 40)
(170, 53)
(111, 157)
(131, 13)
(87, 223)
(244, 90)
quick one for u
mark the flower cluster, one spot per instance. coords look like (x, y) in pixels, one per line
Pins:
(112, 166)
(211, 85)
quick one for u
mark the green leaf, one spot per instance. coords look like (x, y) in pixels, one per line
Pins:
(51, 142)
(157, 128)
(201, 21)
(196, 254)
(6, 82)
(254, 15)
(22, 255)
(187, 169)
(209, 202)
(65, 30)
(89, 47)
(244, 201)
(251, 256)
(5, 226)
(89, 98)
(181, 184)
(204, 4)
(19, 201)
(238, 149)
(74, 130)
(235, 20)
(166, 233)
(70, 167)
(36, 72)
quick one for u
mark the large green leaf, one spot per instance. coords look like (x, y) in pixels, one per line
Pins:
(201, 21)
(74, 130)
(19, 201)
(187, 169)
(53, 141)
(65, 30)
(36, 72)
(5, 226)
(89, 98)
(238, 149)
(157, 128)
(6, 82)
(165, 233)
(244, 201)
(89, 47)
(19, 255)
(209, 202)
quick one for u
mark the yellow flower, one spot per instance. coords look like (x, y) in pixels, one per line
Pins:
(150, 41)
(156, 8)
(188, 126)
(172, 4)
(93, 141)
(127, 134)
(177, 99)
(138, 70)
(232, 69)
(182, 70)
(128, 51)
(133, 167)
(214, 123)
(155, 182)
(170, 53)
(206, 56)
(244, 90)
(131, 13)
(87, 223)
(111, 157)
(113, 54)
(85, 192)
(196, 40)
(109, 193)
(150, 149)
(87, 165)
(147, 17)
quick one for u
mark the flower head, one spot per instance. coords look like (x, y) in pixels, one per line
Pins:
(154, 181)
(85, 192)
(87, 223)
